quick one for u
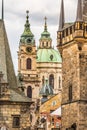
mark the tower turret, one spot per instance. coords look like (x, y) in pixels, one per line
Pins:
(45, 40)
(79, 11)
(62, 19)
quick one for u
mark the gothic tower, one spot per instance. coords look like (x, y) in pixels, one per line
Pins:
(72, 42)
(84, 4)
(27, 62)
(12, 101)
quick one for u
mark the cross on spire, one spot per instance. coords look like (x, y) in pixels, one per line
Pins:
(45, 27)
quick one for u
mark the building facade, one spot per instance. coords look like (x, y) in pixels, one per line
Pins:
(72, 43)
(14, 105)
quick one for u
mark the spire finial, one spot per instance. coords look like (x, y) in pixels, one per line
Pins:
(62, 19)
(2, 9)
(27, 25)
(45, 26)
(79, 11)
(27, 16)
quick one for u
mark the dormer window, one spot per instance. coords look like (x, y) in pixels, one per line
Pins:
(51, 57)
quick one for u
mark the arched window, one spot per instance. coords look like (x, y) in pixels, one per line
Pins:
(28, 63)
(59, 82)
(29, 91)
(51, 80)
(43, 79)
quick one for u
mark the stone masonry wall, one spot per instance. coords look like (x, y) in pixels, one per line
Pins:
(82, 116)
(70, 73)
(69, 115)
(8, 111)
(83, 75)
(75, 75)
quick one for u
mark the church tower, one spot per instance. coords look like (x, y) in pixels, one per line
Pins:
(49, 61)
(27, 62)
(72, 42)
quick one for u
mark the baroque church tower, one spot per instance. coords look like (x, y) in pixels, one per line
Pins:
(49, 62)
(27, 62)
(72, 43)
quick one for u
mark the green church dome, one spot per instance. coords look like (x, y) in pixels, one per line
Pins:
(48, 55)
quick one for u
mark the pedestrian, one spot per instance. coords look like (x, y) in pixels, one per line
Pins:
(3, 127)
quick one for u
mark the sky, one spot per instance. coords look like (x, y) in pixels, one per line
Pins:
(15, 17)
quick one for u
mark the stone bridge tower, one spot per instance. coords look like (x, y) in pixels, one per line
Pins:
(72, 43)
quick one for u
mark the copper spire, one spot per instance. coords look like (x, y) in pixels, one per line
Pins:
(79, 11)
(61, 20)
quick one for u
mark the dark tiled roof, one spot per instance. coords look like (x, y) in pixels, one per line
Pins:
(15, 96)
(6, 65)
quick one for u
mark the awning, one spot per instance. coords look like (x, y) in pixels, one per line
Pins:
(57, 112)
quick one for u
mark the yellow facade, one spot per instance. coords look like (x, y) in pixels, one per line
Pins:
(51, 104)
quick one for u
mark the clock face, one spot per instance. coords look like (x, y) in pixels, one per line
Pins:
(29, 49)
(28, 40)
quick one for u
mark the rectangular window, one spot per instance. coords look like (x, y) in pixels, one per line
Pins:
(81, 26)
(86, 28)
(63, 34)
(70, 30)
(67, 32)
(70, 93)
(16, 121)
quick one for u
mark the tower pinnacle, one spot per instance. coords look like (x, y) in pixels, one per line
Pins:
(27, 19)
(61, 20)
(79, 11)
(2, 9)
